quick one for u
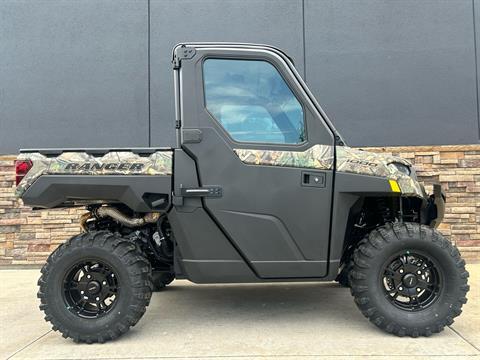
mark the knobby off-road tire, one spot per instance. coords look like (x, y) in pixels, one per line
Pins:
(131, 282)
(372, 257)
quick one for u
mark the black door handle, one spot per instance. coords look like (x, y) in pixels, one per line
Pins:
(205, 191)
(313, 178)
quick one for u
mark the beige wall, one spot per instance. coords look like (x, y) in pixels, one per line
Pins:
(27, 237)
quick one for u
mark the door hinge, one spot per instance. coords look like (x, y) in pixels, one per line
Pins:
(339, 141)
(182, 53)
(178, 124)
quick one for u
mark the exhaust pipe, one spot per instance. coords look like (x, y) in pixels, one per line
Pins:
(117, 215)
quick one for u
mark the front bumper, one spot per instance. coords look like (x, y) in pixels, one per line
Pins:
(434, 209)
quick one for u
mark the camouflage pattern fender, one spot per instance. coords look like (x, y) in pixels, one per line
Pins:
(82, 163)
(349, 160)
(368, 163)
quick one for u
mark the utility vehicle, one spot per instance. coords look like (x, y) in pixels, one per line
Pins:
(260, 187)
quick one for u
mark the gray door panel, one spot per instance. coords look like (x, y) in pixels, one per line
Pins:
(272, 242)
(289, 212)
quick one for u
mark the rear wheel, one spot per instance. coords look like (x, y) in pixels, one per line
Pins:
(95, 286)
(408, 279)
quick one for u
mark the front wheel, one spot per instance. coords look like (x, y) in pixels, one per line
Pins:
(95, 286)
(408, 279)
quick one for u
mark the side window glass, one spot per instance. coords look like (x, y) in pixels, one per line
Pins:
(252, 101)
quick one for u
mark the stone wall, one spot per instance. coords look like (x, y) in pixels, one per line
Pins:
(27, 237)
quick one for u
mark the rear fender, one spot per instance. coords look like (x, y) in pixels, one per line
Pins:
(140, 193)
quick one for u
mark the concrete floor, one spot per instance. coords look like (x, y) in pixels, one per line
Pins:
(287, 321)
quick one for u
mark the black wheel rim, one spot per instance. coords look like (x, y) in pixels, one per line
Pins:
(91, 289)
(411, 281)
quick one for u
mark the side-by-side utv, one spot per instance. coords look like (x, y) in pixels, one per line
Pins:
(260, 187)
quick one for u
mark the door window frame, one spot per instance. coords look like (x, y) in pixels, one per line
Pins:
(287, 83)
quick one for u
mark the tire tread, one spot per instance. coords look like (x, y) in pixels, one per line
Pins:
(139, 271)
(377, 240)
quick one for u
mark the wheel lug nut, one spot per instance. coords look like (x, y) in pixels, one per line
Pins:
(104, 283)
(82, 292)
(97, 298)
(418, 289)
(400, 288)
(401, 271)
(419, 272)
(89, 276)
